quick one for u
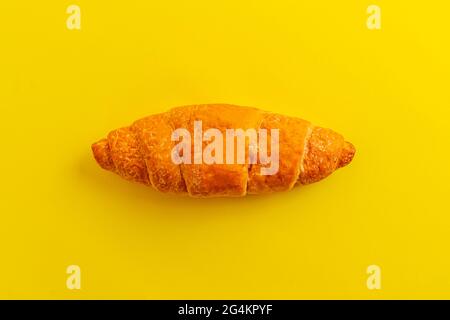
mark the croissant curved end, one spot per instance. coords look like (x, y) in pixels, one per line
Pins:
(102, 155)
(347, 154)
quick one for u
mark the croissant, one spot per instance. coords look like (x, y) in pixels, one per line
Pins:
(146, 151)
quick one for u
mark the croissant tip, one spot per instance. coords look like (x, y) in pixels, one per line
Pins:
(348, 152)
(102, 154)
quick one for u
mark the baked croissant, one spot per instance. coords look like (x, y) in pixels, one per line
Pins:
(144, 152)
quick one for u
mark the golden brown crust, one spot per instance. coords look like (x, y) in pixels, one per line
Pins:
(292, 133)
(347, 154)
(154, 136)
(102, 155)
(142, 152)
(322, 156)
(126, 156)
(215, 179)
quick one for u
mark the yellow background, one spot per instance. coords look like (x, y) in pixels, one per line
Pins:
(386, 90)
